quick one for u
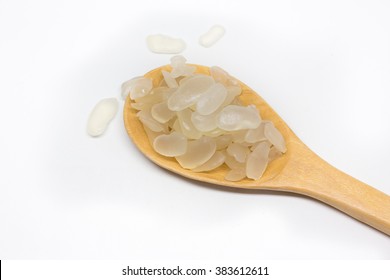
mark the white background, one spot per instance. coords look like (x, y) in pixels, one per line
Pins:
(324, 66)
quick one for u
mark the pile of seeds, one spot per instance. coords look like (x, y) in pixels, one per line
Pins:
(200, 121)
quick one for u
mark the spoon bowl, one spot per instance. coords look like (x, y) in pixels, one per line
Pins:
(299, 170)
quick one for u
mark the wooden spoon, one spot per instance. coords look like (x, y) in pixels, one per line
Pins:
(299, 170)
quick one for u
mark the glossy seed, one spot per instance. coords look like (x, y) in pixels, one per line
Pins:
(147, 119)
(204, 123)
(234, 117)
(101, 115)
(186, 125)
(198, 152)
(238, 151)
(215, 161)
(160, 43)
(223, 141)
(189, 92)
(211, 100)
(161, 113)
(256, 134)
(257, 161)
(172, 145)
(137, 87)
(275, 137)
(235, 175)
(171, 81)
(214, 34)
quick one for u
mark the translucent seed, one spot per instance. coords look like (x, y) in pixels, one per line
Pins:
(239, 136)
(101, 115)
(215, 161)
(232, 162)
(161, 113)
(179, 68)
(151, 134)
(176, 126)
(257, 161)
(171, 82)
(186, 125)
(183, 80)
(215, 33)
(211, 100)
(172, 145)
(140, 106)
(219, 75)
(189, 92)
(160, 43)
(198, 152)
(256, 134)
(147, 119)
(232, 82)
(126, 86)
(234, 117)
(232, 93)
(156, 95)
(204, 123)
(178, 61)
(186, 70)
(254, 146)
(275, 137)
(274, 154)
(223, 141)
(214, 133)
(239, 152)
(222, 76)
(137, 87)
(235, 175)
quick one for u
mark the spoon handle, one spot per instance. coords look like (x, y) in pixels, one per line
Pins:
(312, 176)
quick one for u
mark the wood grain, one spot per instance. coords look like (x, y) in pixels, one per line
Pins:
(299, 170)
